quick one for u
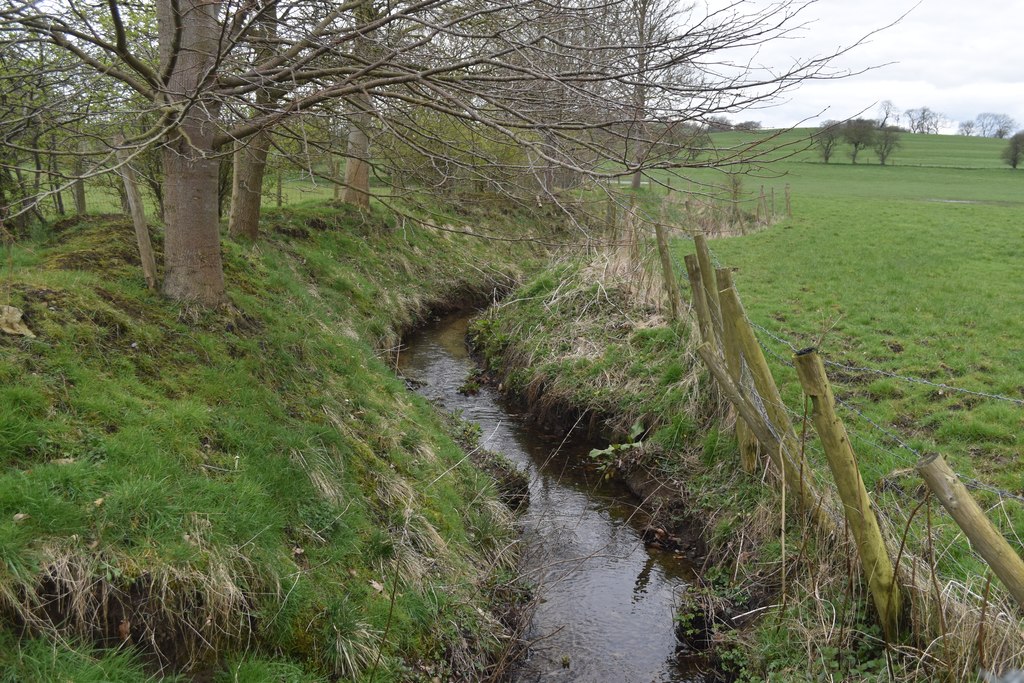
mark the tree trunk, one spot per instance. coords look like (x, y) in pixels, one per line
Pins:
(192, 262)
(357, 168)
(247, 187)
(78, 186)
(58, 195)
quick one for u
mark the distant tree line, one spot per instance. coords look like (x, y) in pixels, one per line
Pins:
(883, 134)
(989, 125)
(857, 135)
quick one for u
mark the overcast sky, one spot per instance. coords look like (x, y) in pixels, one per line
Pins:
(958, 58)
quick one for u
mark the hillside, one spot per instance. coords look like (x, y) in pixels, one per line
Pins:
(247, 492)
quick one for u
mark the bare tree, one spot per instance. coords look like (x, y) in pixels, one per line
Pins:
(827, 137)
(1004, 126)
(994, 125)
(209, 78)
(887, 141)
(924, 120)
(887, 111)
(966, 128)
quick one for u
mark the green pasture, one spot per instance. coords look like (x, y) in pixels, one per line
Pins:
(913, 269)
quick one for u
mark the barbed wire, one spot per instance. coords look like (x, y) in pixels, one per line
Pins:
(921, 380)
(969, 482)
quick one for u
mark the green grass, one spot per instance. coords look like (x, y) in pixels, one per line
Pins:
(246, 483)
(893, 278)
(911, 269)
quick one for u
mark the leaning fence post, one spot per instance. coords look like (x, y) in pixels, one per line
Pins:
(734, 358)
(985, 538)
(857, 506)
(786, 456)
(138, 212)
(698, 299)
(707, 277)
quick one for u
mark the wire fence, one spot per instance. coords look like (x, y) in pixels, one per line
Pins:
(924, 548)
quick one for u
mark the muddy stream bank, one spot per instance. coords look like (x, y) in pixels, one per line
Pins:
(606, 600)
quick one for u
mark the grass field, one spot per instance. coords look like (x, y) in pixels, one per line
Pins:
(912, 269)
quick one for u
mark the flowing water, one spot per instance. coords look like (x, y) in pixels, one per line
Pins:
(606, 602)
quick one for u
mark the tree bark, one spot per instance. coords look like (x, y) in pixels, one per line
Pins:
(247, 187)
(193, 271)
(357, 168)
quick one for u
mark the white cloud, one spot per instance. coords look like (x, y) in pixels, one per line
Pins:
(957, 58)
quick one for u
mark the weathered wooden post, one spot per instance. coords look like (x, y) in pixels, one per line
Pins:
(675, 301)
(787, 457)
(842, 461)
(138, 213)
(985, 538)
(789, 206)
(767, 434)
(707, 278)
(734, 359)
(707, 331)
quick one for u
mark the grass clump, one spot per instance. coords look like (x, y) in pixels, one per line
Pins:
(227, 492)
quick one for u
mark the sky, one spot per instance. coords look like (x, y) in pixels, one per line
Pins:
(958, 58)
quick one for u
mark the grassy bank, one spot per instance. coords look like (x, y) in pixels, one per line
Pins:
(244, 494)
(905, 270)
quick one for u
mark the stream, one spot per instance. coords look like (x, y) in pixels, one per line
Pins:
(606, 602)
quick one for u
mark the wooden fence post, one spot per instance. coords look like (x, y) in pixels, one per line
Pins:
(842, 460)
(734, 359)
(698, 300)
(789, 206)
(766, 434)
(668, 272)
(707, 278)
(985, 538)
(138, 212)
(787, 456)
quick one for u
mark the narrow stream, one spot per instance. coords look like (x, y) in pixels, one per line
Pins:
(606, 602)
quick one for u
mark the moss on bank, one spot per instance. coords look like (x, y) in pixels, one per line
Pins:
(241, 493)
